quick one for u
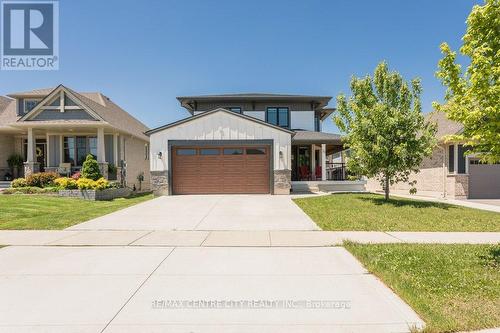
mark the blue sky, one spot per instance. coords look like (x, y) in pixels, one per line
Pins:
(142, 54)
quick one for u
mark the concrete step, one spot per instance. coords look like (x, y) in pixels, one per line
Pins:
(4, 184)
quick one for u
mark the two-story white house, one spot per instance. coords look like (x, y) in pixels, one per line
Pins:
(247, 143)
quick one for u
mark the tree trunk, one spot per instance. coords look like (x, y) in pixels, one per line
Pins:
(386, 187)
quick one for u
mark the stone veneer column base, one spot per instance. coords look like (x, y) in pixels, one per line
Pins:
(31, 167)
(159, 183)
(103, 167)
(282, 181)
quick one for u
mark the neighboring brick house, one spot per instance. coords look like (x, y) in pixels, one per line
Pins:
(54, 127)
(449, 172)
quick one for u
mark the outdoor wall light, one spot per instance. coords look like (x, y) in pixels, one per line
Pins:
(160, 155)
(281, 154)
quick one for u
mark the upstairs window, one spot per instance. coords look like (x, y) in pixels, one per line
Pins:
(278, 116)
(29, 104)
(235, 109)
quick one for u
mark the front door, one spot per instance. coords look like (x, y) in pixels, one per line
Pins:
(41, 155)
(301, 163)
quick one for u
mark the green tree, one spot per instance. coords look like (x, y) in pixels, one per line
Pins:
(384, 126)
(90, 168)
(473, 96)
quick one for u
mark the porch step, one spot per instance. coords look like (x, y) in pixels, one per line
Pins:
(4, 184)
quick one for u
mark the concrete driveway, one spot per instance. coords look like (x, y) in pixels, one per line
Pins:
(193, 289)
(207, 212)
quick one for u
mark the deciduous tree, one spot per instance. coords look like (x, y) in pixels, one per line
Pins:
(473, 96)
(384, 126)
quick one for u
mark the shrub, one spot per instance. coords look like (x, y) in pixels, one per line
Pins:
(85, 184)
(66, 183)
(15, 161)
(30, 190)
(41, 179)
(89, 184)
(76, 175)
(90, 168)
(101, 184)
(19, 182)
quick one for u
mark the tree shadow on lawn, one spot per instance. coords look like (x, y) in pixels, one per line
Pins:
(380, 200)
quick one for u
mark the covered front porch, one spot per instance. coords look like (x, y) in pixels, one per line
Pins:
(64, 149)
(319, 164)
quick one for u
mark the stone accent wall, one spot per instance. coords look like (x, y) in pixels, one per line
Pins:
(457, 186)
(282, 181)
(31, 167)
(97, 195)
(159, 183)
(103, 167)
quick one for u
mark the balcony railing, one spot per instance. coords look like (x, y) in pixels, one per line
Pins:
(336, 171)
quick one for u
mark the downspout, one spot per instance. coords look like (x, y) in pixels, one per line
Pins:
(444, 170)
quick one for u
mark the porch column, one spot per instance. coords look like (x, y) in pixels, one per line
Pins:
(115, 149)
(323, 161)
(101, 153)
(313, 162)
(31, 165)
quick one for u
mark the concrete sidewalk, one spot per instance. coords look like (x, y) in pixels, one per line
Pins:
(235, 238)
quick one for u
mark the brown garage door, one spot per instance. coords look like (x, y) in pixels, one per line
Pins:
(484, 181)
(211, 170)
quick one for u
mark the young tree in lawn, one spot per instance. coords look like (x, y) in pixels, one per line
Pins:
(384, 126)
(473, 97)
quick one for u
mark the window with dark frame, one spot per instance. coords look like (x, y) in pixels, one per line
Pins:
(186, 151)
(461, 159)
(76, 149)
(235, 109)
(451, 159)
(279, 116)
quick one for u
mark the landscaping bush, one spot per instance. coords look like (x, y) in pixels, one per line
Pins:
(90, 168)
(66, 183)
(19, 182)
(30, 190)
(89, 184)
(41, 179)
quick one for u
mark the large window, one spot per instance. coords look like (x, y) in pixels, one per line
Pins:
(77, 148)
(278, 116)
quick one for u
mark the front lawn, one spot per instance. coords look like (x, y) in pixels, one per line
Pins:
(19, 211)
(370, 212)
(452, 287)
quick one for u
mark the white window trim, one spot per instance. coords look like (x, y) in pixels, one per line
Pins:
(37, 100)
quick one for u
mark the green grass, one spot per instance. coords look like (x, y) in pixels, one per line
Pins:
(52, 212)
(452, 287)
(370, 212)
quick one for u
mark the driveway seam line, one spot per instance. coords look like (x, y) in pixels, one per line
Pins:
(140, 237)
(205, 239)
(209, 211)
(137, 290)
(60, 239)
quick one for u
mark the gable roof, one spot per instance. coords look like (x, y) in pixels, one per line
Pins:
(100, 106)
(316, 137)
(445, 126)
(204, 114)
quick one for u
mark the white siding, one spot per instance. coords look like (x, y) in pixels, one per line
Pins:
(220, 126)
(256, 114)
(302, 120)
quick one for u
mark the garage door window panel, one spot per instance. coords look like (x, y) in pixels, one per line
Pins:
(256, 151)
(186, 151)
(233, 151)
